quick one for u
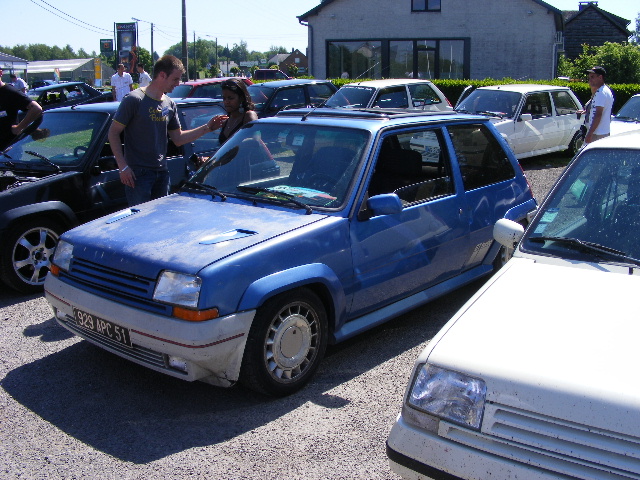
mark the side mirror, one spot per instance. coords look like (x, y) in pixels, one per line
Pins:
(526, 117)
(385, 204)
(508, 233)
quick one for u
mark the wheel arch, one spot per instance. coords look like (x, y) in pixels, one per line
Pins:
(54, 210)
(317, 277)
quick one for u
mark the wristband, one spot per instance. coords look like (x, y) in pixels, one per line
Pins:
(124, 169)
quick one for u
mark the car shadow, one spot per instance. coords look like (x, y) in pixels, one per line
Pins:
(137, 415)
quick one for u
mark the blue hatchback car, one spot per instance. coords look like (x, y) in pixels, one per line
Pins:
(304, 229)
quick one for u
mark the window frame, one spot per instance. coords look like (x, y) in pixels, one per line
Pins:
(429, 6)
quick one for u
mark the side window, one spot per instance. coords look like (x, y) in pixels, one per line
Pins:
(392, 97)
(318, 93)
(538, 105)
(414, 166)
(564, 103)
(425, 5)
(208, 91)
(423, 95)
(288, 97)
(481, 158)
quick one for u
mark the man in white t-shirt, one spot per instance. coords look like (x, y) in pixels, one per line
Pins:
(18, 83)
(599, 119)
(143, 77)
(121, 84)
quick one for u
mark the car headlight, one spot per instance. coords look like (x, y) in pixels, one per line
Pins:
(178, 289)
(63, 255)
(449, 395)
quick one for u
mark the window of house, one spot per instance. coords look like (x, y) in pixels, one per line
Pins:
(355, 59)
(425, 5)
(481, 158)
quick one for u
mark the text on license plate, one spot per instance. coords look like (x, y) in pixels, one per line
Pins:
(102, 327)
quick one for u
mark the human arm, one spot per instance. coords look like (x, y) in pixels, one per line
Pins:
(181, 137)
(127, 177)
(595, 121)
(34, 110)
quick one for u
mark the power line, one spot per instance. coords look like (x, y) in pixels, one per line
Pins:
(93, 27)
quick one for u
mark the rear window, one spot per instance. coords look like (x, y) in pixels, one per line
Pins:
(181, 91)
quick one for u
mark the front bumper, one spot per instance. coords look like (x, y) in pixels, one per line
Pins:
(210, 351)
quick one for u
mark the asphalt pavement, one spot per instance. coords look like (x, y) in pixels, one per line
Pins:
(69, 410)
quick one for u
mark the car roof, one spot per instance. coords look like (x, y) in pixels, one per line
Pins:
(288, 83)
(58, 85)
(111, 107)
(370, 118)
(206, 81)
(388, 82)
(523, 87)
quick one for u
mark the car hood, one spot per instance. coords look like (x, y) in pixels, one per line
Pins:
(621, 126)
(155, 235)
(555, 340)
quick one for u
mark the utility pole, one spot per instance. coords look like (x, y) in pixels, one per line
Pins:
(185, 53)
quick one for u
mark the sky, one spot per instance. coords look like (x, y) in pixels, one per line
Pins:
(261, 24)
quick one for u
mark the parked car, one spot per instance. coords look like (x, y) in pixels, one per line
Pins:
(391, 93)
(42, 83)
(535, 119)
(628, 117)
(262, 74)
(271, 97)
(534, 377)
(50, 185)
(250, 271)
(206, 88)
(67, 94)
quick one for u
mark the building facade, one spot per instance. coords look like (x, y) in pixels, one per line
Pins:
(433, 39)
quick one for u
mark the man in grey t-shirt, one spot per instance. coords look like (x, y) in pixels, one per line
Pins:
(146, 116)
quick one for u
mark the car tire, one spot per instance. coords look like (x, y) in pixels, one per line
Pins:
(28, 248)
(286, 343)
(576, 144)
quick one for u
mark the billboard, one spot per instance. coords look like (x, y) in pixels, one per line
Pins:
(126, 43)
(106, 45)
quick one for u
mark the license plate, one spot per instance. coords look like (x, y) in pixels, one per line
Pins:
(102, 327)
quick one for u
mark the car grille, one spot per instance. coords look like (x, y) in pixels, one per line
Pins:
(136, 353)
(110, 283)
(552, 444)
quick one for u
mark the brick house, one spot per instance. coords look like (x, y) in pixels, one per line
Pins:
(593, 26)
(433, 38)
(297, 58)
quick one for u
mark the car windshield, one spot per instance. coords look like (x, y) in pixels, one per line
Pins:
(63, 138)
(594, 212)
(351, 97)
(491, 102)
(259, 95)
(630, 110)
(301, 164)
(181, 91)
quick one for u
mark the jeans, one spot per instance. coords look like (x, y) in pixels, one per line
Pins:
(149, 185)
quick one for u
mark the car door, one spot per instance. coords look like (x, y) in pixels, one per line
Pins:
(565, 108)
(539, 132)
(392, 97)
(399, 254)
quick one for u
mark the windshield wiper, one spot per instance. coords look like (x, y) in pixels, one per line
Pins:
(191, 185)
(590, 247)
(283, 196)
(491, 114)
(44, 159)
(627, 119)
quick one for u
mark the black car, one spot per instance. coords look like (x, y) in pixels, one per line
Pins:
(70, 176)
(271, 97)
(67, 94)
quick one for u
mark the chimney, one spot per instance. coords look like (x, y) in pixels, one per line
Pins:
(583, 5)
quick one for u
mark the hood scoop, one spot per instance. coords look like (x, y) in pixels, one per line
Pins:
(124, 214)
(226, 236)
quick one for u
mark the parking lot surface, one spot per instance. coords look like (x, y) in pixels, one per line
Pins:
(69, 410)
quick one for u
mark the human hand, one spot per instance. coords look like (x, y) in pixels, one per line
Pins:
(127, 177)
(216, 122)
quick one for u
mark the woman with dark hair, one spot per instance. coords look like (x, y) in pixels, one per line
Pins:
(239, 107)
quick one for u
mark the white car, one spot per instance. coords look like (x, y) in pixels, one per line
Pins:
(536, 376)
(534, 119)
(628, 117)
(391, 93)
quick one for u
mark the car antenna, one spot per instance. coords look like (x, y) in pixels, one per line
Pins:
(304, 117)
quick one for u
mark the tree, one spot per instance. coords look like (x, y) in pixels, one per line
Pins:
(621, 60)
(635, 35)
